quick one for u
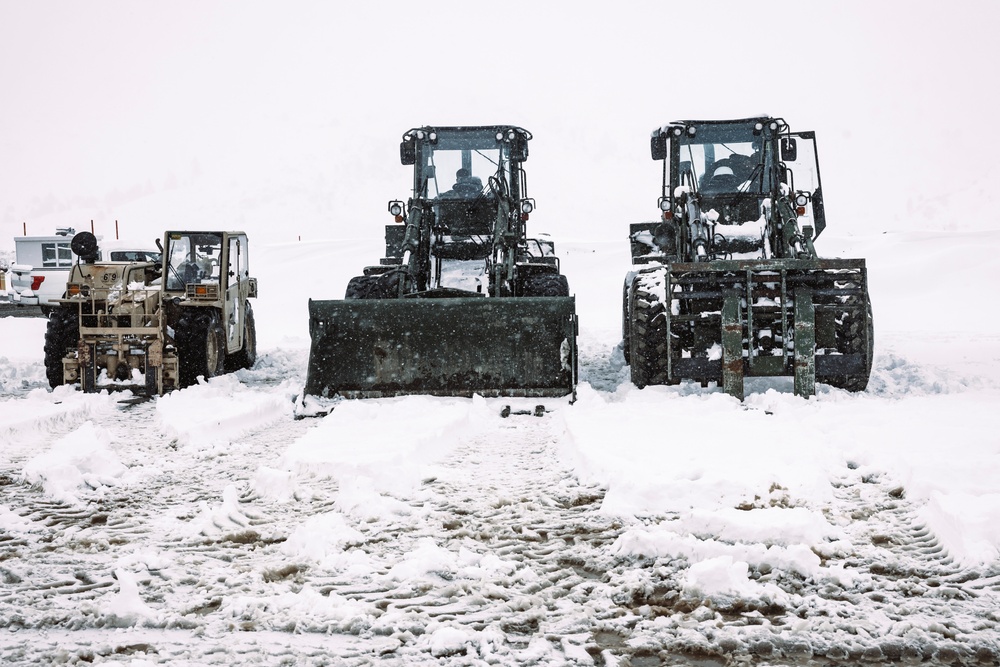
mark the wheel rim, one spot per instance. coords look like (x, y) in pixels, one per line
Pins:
(211, 354)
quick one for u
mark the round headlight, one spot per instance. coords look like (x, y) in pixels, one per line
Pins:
(692, 130)
(510, 135)
(774, 125)
(499, 136)
(664, 204)
(677, 131)
(396, 209)
(433, 136)
(758, 126)
(801, 199)
(420, 134)
(527, 206)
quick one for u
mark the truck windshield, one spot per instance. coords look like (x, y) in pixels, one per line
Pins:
(723, 158)
(193, 258)
(460, 165)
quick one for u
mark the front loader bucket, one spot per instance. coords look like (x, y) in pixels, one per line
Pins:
(370, 348)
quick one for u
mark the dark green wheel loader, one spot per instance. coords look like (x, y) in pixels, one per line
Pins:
(464, 302)
(727, 284)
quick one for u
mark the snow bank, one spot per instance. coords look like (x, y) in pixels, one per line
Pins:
(764, 471)
(385, 445)
(213, 414)
(82, 459)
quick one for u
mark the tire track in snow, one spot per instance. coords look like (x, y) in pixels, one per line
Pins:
(502, 498)
(66, 552)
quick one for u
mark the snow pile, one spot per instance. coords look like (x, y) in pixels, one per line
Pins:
(225, 518)
(384, 445)
(723, 580)
(82, 460)
(211, 415)
(125, 608)
(322, 539)
(764, 471)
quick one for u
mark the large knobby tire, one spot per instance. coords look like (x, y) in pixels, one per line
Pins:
(851, 340)
(545, 284)
(201, 345)
(61, 333)
(247, 356)
(382, 286)
(647, 331)
(626, 322)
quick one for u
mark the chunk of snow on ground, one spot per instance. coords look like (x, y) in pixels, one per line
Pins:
(213, 414)
(217, 520)
(392, 442)
(80, 460)
(320, 537)
(723, 579)
(125, 608)
(450, 640)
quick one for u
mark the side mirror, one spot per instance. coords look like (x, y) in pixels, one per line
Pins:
(407, 152)
(519, 148)
(789, 151)
(658, 147)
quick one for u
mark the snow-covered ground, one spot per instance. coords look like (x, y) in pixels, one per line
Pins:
(635, 527)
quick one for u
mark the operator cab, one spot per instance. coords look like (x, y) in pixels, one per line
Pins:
(461, 171)
(193, 258)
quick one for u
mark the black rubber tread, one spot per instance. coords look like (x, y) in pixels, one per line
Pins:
(384, 286)
(626, 321)
(545, 284)
(851, 340)
(247, 356)
(192, 334)
(647, 332)
(61, 333)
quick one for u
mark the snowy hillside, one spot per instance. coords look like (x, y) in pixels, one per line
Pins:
(631, 527)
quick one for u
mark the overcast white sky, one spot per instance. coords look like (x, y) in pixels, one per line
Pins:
(285, 118)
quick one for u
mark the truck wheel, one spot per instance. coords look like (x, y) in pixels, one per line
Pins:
(626, 320)
(851, 341)
(362, 287)
(61, 333)
(545, 284)
(382, 286)
(247, 356)
(647, 333)
(201, 346)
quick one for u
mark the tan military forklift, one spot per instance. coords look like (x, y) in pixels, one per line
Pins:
(153, 327)
(727, 284)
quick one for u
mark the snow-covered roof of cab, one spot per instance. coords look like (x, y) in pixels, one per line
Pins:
(663, 129)
(440, 135)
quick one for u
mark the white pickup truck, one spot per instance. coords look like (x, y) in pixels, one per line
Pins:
(38, 274)
(42, 265)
